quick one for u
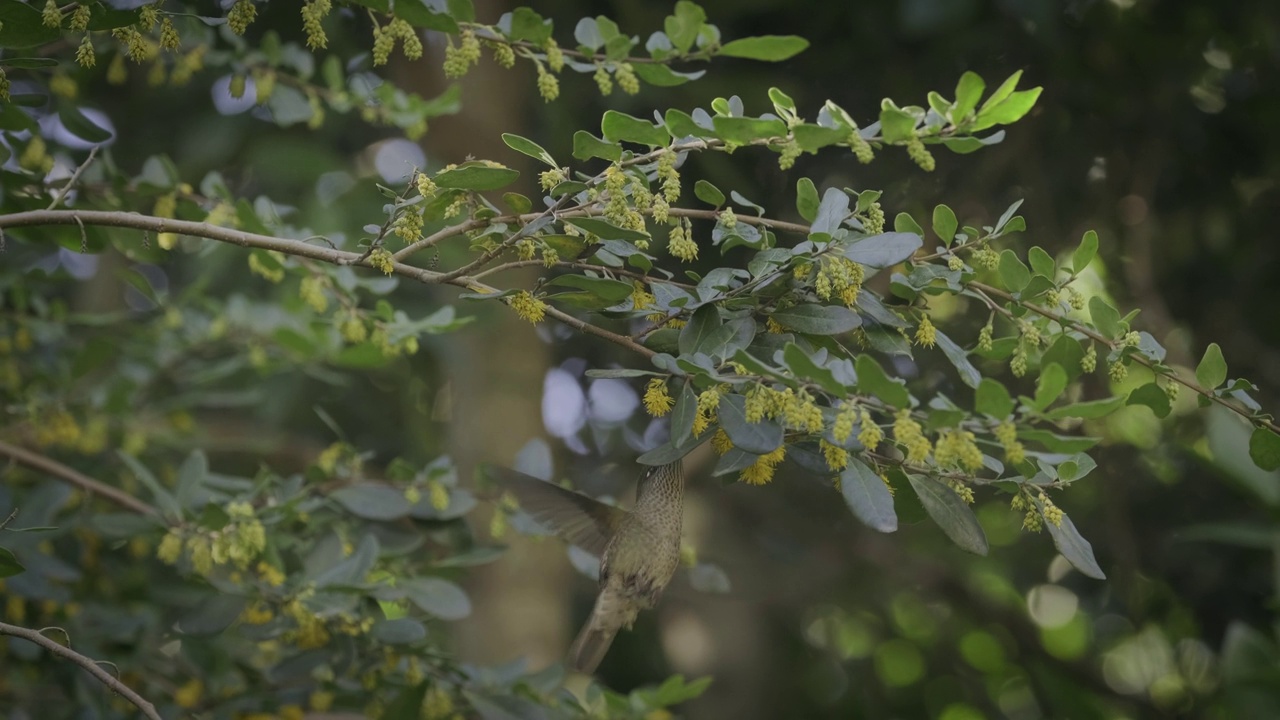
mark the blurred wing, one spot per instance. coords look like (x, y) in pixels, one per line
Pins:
(573, 516)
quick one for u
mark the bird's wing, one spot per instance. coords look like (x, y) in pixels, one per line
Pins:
(578, 519)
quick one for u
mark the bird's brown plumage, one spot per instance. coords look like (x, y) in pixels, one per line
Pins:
(639, 550)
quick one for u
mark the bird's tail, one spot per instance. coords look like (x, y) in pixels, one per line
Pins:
(610, 614)
(590, 646)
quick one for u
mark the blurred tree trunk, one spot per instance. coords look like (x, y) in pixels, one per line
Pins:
(520, 604)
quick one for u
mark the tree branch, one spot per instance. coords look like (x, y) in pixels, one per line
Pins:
(90, 666)
(1140, 359)
(297, 248)
(75, 477)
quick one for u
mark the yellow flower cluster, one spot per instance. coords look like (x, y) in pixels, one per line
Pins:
(380, 259)
(169, 38)
(920, 155)
(1018, 363)
(845, 421)
(241, 15)
(439, 493)
(669, 176)
(720, 442)
(641, 298)
(870, 435)
(681, 244)
(617, 210)
(797, 410)
(789, 151)
(240, 541)
(310, 632)
(385, 36)
(837, 457)
(964, 491)
(409, 224)
(626, 76)
(984, 337)
(761, 471)
(926, 334)
(548, 84)
(956, 448)
(1075, 299)
(1007, 435)
(1089, 362)
(1052, 512)
(708, 401)
(839, 277)
(1118, 371)
(502, 54)
(51, 16)
(955, 263)
(986, 258)
(528, 307)
(85, 57)
(860, 147)
(459, 59)
(908, 433)
(555, 56)
(313, 13)
(874, 224)
(551, 178)
(603, 81)
(312, 291)
(657, 401)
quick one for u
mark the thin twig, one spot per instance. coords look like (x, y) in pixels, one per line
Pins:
(1140, 359)
(75, 477)
(89, 664)
(93, 152)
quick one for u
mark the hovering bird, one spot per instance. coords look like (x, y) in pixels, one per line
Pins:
(638, 550)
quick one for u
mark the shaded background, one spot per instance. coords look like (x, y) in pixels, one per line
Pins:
(1156, 128)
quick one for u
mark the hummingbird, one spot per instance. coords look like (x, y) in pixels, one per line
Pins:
(639, 550)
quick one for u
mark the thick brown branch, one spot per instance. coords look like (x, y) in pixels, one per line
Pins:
(90, 666)
(75, 477)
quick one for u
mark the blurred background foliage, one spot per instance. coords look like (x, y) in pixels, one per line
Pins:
(1156, 128)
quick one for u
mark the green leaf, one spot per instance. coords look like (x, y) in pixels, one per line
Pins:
(969, 375)
(682, 416)
(212, 615)
(9, 565)
(606, 230)
(884, 250)
(621, 373)
(614, 291)
(1264, 449)
(818, 319)
(407, 704)
(744, 130)
(372, 501)
(951, 513)
(968, 93)
(708, 193)
(806, 199)
(1057, 443)
(759, 438)
(1075, 548)
(587, 146)
(1153, 396)
(437, 596)
(770, 48)
(165, 500)
(872, 379)
(476, 175)
(803, 366)
(460, 10)
(23, 26)
(667, 453)
(704, 322)
(812, 138)
(991, 398)
(1011, 110)
(527, 146)
(1013, 273)
(945, 224)
(1087, 410)
(896, 125)
(832, 211)
(682, 26)
(191, 475)
(518, 203)
(1105, 317)
(1052, 381)
(1041, 262)
(1212, 370)
(868, 497)
(902, 222)
(28, 63)
(1085, 253)
(620, 127)
(82, 127)
(400, 631)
